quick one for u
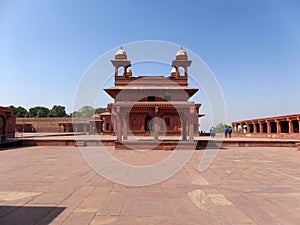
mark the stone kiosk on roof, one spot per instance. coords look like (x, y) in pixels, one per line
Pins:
(155, 106)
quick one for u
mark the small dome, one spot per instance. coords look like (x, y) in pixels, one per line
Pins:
(128, 70)
(121, 54)
(173, 70)
(181, 54)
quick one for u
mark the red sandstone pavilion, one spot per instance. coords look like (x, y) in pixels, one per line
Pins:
(156, 105)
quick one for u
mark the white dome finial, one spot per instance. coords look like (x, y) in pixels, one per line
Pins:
(181, 54)
(121, 54)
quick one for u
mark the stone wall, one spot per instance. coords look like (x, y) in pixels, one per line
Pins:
(46, 124)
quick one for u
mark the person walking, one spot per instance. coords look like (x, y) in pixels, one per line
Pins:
(212, 132)
(229, 132)
(226, 131)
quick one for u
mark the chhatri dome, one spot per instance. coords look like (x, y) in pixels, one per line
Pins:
(181, 54)
(121, 54)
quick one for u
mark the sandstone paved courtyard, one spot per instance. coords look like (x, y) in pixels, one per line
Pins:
(54, 185)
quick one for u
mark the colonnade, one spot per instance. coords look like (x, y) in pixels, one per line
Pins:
(288, 124)
(187, 118)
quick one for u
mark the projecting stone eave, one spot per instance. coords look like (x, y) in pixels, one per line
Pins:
(115, 90)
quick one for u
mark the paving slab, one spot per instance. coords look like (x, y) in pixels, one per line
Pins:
(243, 185)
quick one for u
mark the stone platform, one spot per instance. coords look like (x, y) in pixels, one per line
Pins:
(60, 139)
(167, 145)
(244, 185)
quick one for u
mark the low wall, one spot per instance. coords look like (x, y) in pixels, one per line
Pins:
(168, 145)
(49, 125)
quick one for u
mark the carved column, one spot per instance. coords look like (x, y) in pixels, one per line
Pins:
(261, 127)
(268, 127)
(119, 126)
(156, 124)
(291, 127)
(234, 128)
(254, 128)
(124, 122)
(183, 127)
(247, 128)
(191, 125)
(278, 127)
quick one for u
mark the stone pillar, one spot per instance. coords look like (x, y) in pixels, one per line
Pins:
(119, 125)
(261, 128)
(155, 129)
(183, 127)
(278, 127)
(247, 128)
(177, 72)
(191, 125)
(254, 128)
(268, 127)
(291, 127)
(85, 128)
(156, 124)
(124, 129)
(116, 71)
(191, 131)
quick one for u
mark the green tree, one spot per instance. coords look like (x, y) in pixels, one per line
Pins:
(57, 111)
(38, 112)
(19, 111)
(84, 112)
(87, 111)
(99, 110)
(75, 114)
(14, 109)
(220, 127)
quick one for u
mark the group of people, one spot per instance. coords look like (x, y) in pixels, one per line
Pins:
(227, 132)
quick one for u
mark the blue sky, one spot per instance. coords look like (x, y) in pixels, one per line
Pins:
(252, 47)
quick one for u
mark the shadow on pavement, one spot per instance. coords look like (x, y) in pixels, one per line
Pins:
(28, 215)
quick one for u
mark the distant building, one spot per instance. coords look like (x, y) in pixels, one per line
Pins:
(277, 126)
(7, 124)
